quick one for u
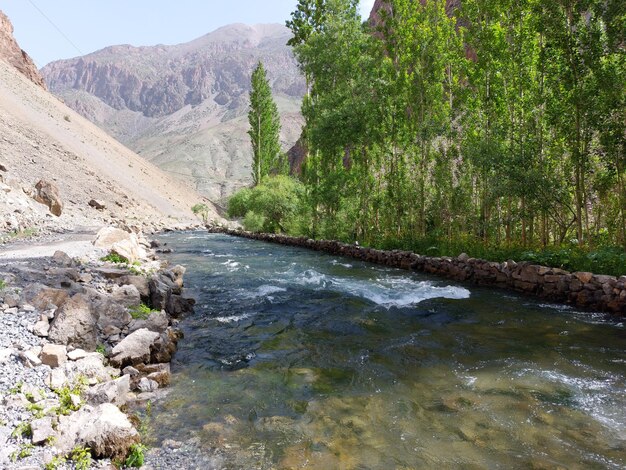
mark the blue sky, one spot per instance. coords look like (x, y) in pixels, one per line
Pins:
(88, 25)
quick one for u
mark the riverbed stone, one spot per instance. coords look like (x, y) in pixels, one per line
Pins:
(134, 349)
(75, 323)
(105, 430)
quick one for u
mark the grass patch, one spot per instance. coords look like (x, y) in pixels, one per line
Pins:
(114, 258)
(81, 457)
(141, 312)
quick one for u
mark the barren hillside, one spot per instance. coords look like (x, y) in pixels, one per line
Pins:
(42, 139)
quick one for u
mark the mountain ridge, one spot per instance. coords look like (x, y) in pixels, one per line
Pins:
(183, 106)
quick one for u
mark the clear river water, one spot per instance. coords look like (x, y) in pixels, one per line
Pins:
(296, 359)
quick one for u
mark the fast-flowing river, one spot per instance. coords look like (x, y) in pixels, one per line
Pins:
(296, 359)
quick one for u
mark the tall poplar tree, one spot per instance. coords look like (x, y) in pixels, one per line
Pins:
(264, 126)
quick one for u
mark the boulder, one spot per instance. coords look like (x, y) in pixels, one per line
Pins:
(99, 205)
(62, 259)
(75, 323)
(91, 367)
(127, 295)
(147, 385)
(41, 430)
(118, 241)
(156, 321)
(107, 236)
(134, 349)
(42, 328)
(112, 315)
(165, 346)
(53, 355)
(47, 193)
(103, 429)
(160, 373)
(77, 354)
(115, 391)
(140, 282)
(56, 379)
(43, 297)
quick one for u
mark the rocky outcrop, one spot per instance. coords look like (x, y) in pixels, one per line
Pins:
(183, 107)
(48, 193)
(70, 397)
(11, 52)
(585, 290)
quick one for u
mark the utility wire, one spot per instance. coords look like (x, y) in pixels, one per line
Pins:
(56, 27)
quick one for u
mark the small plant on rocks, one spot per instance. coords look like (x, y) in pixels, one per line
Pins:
(81, 456)
(24, 451)
(141, 312)
(136, 456)
(101, 349)
(22, 430)
(114, 258)
(55, 463)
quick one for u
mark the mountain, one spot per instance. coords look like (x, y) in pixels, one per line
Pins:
(11, 52)
(50, 152)
(184, 107)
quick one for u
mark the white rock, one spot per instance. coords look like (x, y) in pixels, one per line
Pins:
(42, 328)
(56, 379)
(54, 355)
(42, 430)
(77, 354)
(104, 429)
(147, 385)
(115, 391)
(134, 349)
(5, 354)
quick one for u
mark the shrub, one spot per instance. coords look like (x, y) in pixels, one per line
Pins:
(275, 205)
(114, 258)
(136, 456)
(202, 210)
(254, 222)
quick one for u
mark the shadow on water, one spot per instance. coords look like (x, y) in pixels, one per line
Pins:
(296, 359)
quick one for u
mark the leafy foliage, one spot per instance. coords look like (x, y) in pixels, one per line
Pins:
(495, 128)
(141, 311)
(273, 206)
(136, 456)
(114, 258)
(264, 126)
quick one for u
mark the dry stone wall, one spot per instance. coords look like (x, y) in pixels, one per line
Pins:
(582, 289)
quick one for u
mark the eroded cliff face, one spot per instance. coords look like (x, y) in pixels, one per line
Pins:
(184, 107)
(11, 52)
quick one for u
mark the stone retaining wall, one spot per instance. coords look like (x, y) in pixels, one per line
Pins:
(584, 290)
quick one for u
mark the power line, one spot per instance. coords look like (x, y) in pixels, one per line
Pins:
(56, 27)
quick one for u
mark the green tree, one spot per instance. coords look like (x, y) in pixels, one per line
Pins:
(264, 127)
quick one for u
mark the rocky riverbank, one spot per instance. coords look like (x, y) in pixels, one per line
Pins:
(582, 289)
(81, 341)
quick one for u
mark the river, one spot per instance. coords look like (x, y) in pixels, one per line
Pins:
(296, 359)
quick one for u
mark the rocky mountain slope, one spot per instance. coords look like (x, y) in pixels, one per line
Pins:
(184, 107)
(11, 52)
(78, 173)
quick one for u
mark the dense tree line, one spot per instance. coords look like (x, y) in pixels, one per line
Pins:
(503, 122)
(488, 128)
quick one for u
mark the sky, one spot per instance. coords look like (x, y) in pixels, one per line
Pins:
(50, 30)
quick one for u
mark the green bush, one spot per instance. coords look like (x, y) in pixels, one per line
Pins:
(114, 258)
(136, 456)
(254, 222)
(273, 206)
(238, 203)
(141, 312)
